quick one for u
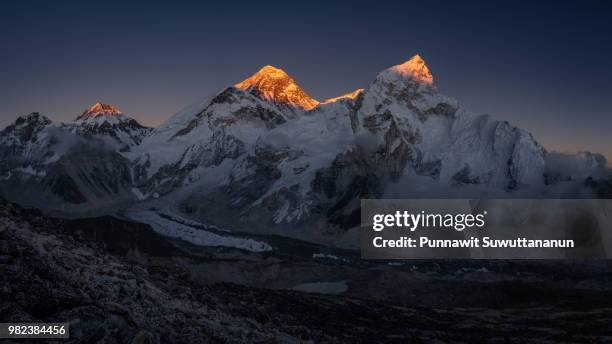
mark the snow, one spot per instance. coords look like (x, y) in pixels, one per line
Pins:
(100, 119)
(31, 171)
(327, 256)
(415, 69)
(161, 148)
(346, 96)
(138, 194)
(100, 109)
(575, 166)
(193, 235)
(319, 138)
(188, 222)
(281, 213)
(214, 144)
(275, 85)
(311, 141)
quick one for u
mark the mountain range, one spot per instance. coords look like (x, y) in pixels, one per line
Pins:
(262, 156)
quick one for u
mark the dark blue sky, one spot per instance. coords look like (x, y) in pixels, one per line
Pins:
(545, 67)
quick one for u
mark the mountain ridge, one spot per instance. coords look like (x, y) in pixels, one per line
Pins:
(252, 158)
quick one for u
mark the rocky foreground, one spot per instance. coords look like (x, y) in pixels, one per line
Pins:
(119, 282)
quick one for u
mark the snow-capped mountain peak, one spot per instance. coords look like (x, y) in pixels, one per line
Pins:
(416, 69)
(105, 120)
(25, 128)
(255, 157)
(274, 84)
(98, 110)
(32, 118)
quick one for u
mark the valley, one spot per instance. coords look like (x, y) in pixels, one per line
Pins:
(112, 279)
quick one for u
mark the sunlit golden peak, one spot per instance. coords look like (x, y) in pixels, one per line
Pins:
(100, 109)
(416, 69)
(272, 71)
(350, 95)
(274, 84)
(267, 73)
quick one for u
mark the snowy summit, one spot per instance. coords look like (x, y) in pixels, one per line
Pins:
(99, 109)
(416, 69)
(274, 84)
(104, 120)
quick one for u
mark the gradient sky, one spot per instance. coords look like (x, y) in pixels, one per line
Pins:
(545, 67)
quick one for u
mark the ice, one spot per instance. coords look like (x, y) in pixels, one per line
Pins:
(193, 235)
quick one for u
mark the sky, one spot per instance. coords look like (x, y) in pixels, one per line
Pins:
(544, 66)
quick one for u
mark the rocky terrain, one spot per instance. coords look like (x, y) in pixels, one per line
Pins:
(119, 282)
